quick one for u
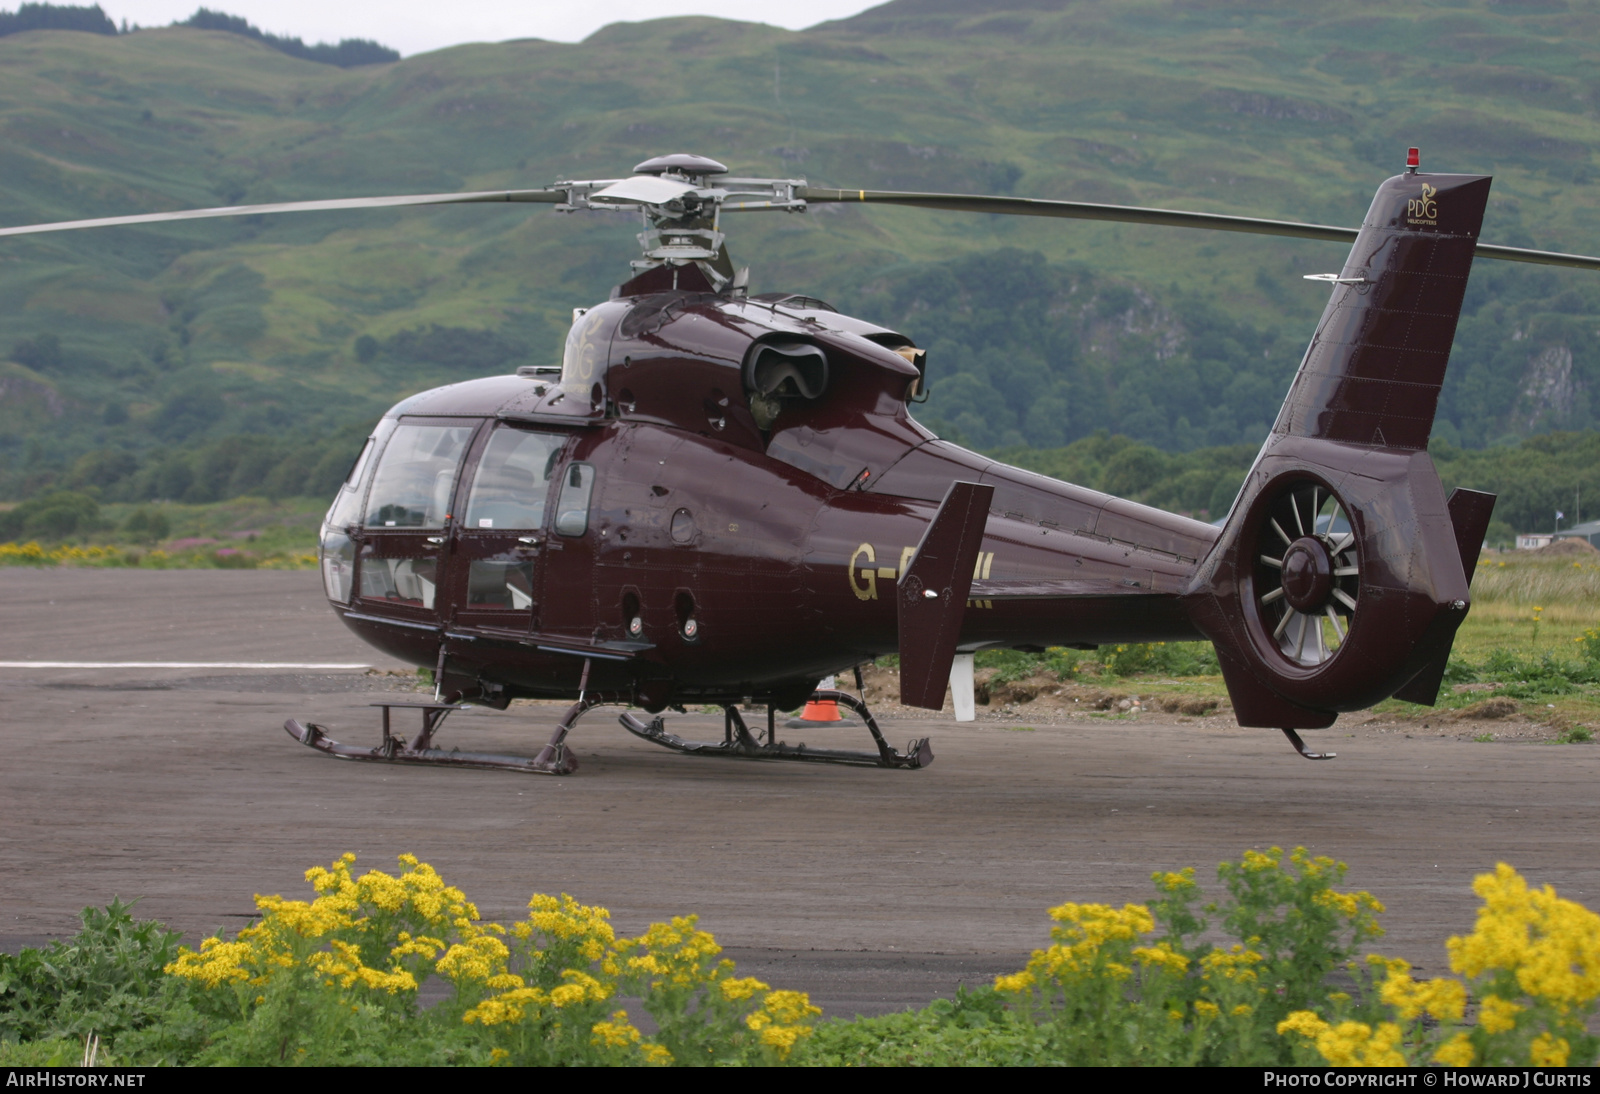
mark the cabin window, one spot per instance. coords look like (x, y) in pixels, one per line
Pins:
(338, 564)
(513, 480)
(682, 526)
(408, 581)
(504, 583)
(572, 511)
(415, 474)
(346, 507)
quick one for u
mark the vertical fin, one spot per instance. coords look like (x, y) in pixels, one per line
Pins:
(1372, 373)
(932, 593)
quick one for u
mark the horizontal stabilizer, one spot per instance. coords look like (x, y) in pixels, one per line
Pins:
(932, 593)
(1056, 588)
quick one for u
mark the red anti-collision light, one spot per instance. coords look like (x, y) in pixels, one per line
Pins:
(1413, 158)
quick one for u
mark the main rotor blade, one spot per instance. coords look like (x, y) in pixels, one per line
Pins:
(1542, 258)
(1134, 214)
(1078, 210)
(333, 205)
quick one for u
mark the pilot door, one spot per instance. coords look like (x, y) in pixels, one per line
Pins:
(497, 555)
(405, 530)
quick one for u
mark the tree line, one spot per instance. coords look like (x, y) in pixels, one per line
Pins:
(348, 53)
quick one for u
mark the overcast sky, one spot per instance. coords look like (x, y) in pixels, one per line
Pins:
(417, 26)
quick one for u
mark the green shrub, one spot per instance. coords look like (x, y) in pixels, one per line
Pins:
(1161, 659)
(106, 979)
(147, 525)
(51, 517)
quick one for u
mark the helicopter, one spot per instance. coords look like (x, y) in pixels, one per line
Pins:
(719, 498)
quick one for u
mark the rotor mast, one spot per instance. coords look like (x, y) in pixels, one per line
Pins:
(682, 207)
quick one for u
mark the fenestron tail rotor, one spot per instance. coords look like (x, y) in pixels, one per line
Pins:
(1307, 580)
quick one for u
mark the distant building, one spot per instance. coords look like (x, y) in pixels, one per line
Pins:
(1588, 530)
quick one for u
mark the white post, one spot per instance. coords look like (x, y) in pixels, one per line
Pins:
(961, 688)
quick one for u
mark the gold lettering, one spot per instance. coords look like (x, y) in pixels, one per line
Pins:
(868, 589)
(1423, 210)
(906, 555)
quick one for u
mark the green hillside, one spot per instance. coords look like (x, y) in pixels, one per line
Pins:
(222, 357)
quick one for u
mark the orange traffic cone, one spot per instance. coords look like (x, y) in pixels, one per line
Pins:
(820, 710)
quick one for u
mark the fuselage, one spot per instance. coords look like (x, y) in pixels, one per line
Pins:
(698, 531)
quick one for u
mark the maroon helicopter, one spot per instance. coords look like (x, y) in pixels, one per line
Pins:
(720, 498)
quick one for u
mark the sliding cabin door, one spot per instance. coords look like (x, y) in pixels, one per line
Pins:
(498, 545)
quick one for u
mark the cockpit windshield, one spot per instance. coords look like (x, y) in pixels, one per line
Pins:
(415, 475)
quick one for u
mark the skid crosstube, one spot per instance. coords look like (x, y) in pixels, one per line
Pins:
(314, 736)
(739, 743)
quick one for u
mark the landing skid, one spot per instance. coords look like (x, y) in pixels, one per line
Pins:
(557, 759)
(554, 759)
(738, 742)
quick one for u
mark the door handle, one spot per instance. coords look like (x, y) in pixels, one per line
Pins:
(528, 541)
(435, 540)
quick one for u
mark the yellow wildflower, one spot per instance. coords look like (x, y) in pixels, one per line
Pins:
(217, 963)
(1456, 1052)
(736, 990)
(1444, 999)
(1356, 1044)
(1498, 1015)
(616, 1033)
(1304, 1022)
(1552, 945)
(1255, 860)
(1173, 883)
(508, 1007)
(1548, 1051)
(1014, 983)
(1234, 964)
(790, 1006)
(1162, 956)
